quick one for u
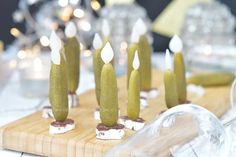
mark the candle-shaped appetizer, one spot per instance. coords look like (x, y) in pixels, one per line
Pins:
(97, 68)
(72, 53)
(144, 49)
(132, 120)
(176, 46)
(171, 95)
(134, 91)
(58, 89)
(109, 128)
(133, 47)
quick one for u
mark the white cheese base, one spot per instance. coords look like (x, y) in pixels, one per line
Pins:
(199, 90)
(47, 113)
(96, 114)
(111, 134)
(143, 103)
(61, 129)
(132, 125)
(72, 101)
(153, 93)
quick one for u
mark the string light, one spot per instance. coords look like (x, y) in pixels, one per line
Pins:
(87, 53)
(74, 2)
(78, 13)
(95, 5)
(66, 13)
(84, 25)
(15, 32)
(44, 41)
(21, 54)
(63, 3)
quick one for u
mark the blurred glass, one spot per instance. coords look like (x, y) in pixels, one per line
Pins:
(183, 131)
(34, 76)
(208, 36)
(121, 18)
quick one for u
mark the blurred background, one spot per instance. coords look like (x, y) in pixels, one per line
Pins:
(11, 18)
(207, 28)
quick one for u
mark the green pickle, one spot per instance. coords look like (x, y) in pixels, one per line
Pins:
(108, 97)
(212, 79)
(97, 68)
(145, 61)
(133, 108)
(58, 90)
(72, 53)
(171, 95)
(179, 70)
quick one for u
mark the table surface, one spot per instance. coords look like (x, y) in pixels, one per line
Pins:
(17, 106)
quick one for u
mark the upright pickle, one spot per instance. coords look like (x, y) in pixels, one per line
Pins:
(133, 108)
(176, 46)
(179, 69)
(108, 97)
(58, 90)
(97, 64)
(146, 68)
(72, 53)
(171, 95)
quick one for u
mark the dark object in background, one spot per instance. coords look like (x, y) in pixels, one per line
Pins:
(153, 7)
(7, 7)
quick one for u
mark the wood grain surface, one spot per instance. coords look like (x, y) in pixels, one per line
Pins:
(31, 135)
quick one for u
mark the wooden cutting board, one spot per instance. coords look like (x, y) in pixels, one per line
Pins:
(30, 134)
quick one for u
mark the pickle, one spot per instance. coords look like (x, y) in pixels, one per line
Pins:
(72, 53)
(211, 79)
(97, 68)
(58, 90)
(171, 95)
(108, 97)
(145, 61)
(133, 108)
(179, 69)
